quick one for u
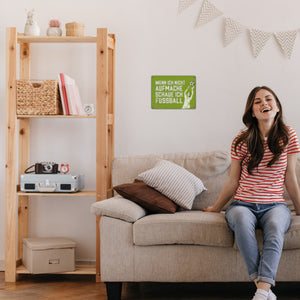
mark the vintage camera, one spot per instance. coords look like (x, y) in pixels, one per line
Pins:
(46, 168)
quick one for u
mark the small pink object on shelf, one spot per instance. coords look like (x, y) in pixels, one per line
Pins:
(54, 28)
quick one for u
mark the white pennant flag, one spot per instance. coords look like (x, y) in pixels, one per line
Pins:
(183, 4)
(286, 41)
(232, 30)
(207, 13)
(259, 39)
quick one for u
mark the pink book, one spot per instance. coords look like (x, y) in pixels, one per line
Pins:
(64, 94)
(74, 101)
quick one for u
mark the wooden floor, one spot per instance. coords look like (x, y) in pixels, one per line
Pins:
(31, 287)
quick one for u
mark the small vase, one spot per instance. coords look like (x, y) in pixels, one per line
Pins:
(32, 29)
(54, 31)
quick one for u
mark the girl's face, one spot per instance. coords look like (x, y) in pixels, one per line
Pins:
(264, 106)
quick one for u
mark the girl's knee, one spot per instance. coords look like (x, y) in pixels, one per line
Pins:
(278, 220)
(239, 217)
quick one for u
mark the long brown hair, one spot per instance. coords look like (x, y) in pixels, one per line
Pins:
(278, 137)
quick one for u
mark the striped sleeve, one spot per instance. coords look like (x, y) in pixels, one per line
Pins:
(293, 145)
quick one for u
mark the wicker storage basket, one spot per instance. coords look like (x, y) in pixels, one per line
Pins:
(74, 29)
(38, 98)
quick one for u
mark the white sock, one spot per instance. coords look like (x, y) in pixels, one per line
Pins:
(261, 295)
(271, 296)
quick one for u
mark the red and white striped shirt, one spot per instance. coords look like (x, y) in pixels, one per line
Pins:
(265, 185)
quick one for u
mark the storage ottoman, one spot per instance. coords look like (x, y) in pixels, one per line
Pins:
(48, 255)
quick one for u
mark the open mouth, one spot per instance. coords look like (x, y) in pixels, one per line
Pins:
(266, 110)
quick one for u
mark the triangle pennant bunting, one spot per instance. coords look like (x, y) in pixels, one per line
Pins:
(232, 30)
(259, 39)
(207, 13)
(286, 41)
(184, 4)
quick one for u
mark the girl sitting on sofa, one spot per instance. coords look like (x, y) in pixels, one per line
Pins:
(264, 158)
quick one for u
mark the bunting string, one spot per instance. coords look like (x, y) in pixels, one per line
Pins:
(233, 29)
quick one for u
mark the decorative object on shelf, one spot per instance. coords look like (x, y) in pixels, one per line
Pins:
(233, 29)
(173, 92)
(31, 27)
(52, 183)
(69, 95)
(64, 168)
(74, 29)
(89, 109)
(49, 255)
(54, 28)
(47, 168)
(38, 98)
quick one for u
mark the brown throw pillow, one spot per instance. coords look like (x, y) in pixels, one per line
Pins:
(147, 197)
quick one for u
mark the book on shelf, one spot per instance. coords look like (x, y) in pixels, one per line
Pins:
(70, 95)
(63, 94)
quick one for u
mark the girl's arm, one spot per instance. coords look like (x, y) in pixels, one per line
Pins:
(230, 187)
(291, 181)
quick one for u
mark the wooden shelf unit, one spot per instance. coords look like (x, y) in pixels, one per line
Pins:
(18, 133)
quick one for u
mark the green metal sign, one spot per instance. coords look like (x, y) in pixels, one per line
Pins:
(173, 92)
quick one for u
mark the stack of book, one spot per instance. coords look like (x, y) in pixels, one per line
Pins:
(70, 97)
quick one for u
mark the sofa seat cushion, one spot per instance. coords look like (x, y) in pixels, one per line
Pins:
(291, 239)
(185, 227)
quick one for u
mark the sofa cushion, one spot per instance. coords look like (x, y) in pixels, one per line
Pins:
(147, 197)
(175, 182)
(119, 208)
(291, 239)
(214, 187)
(186, 227)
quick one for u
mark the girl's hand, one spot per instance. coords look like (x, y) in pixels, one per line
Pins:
(211, 209)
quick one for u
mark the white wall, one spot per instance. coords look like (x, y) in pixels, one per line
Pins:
(152, 39)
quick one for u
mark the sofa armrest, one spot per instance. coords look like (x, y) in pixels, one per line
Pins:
(118, 208)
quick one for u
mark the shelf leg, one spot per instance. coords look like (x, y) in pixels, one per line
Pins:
(11, 157)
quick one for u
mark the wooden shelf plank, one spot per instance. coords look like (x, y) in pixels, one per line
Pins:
(53, 116)
(77, 194)
(64, 39)
(80, 270)
(56, 39)
(110, 117)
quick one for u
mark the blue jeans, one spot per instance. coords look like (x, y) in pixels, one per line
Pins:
(274, 220)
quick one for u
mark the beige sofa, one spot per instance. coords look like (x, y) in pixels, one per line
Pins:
(188, 246)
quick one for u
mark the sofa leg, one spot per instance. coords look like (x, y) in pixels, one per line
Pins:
(113, 290)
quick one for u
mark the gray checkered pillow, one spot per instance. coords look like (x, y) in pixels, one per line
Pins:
(175, 182)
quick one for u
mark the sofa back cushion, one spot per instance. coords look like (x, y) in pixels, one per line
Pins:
(211, 167)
